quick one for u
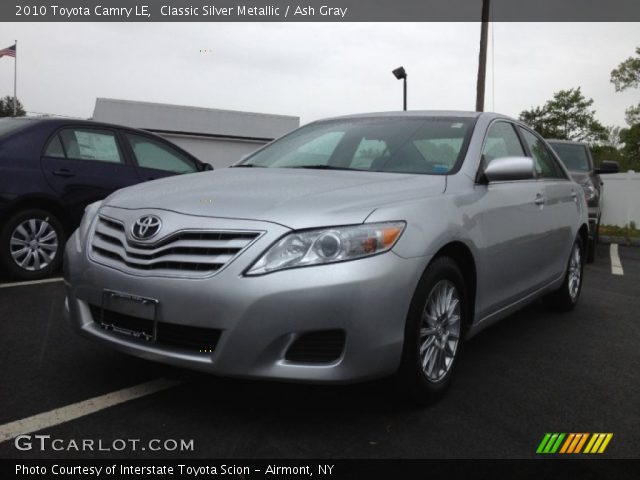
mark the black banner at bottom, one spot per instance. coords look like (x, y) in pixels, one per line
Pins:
(321, 469)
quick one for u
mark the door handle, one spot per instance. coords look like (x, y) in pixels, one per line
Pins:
(539, 199)
(63, 172)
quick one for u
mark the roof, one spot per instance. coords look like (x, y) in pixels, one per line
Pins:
(162, 117)
(422, 113)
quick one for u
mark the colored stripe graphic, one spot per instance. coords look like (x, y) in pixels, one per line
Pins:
(550, 443)
(573, 443)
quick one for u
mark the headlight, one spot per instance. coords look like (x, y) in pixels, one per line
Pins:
(590, 191)
(328, 245)
(90, 213)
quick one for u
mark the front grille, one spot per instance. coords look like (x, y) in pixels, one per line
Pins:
(196, 339)
(323, 346)
(186, 251)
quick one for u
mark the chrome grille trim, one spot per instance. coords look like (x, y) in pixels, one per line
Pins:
(186, 252)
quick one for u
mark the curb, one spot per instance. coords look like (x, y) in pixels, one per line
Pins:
(631, 242)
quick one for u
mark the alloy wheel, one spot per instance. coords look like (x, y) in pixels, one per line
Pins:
(439, 330)
(575, 271)
(33, 244)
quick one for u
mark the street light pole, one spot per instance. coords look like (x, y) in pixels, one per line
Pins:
(404, 103)
(401, 74)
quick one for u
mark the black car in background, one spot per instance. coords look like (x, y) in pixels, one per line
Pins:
(577, 158)
(51, 169)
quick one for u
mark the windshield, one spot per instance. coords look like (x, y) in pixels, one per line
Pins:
(8, 125)
(573, 156)
(402, 145)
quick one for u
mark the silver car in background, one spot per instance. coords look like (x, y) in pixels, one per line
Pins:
(352, 248)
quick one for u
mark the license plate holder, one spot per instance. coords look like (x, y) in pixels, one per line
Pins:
(142, 309)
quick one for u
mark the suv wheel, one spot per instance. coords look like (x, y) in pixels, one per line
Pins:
(31, 244)
(566, 298)
(434, 332)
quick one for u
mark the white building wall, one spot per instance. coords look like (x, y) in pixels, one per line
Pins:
(219, 137)
(621, 200)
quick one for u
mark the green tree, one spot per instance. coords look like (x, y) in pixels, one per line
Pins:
(627, 75)
(6, 107)
(567, 116)
(631, 150)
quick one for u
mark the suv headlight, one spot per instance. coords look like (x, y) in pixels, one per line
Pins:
(328, 245)
(590, 191)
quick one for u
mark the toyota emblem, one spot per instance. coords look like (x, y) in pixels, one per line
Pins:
(146, 227)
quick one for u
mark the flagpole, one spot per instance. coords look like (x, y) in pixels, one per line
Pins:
(15, 82)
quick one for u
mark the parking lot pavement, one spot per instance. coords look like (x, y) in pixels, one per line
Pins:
(535, 372)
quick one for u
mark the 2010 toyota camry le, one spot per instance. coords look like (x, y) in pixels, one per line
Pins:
(349, 249)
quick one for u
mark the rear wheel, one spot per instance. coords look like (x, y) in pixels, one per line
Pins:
(434, 331)
(566, 297)
(31, 244)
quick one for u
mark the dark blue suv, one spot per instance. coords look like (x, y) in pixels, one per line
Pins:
(51, 169)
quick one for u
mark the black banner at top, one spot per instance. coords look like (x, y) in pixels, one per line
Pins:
(317, 10)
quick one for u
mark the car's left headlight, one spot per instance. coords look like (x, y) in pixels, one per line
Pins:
(328, 245)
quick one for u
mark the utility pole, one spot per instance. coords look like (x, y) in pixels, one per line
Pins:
(15, 82)
(482, 58)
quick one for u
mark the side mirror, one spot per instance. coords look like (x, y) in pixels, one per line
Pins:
(608, 167)
(205, 167)
(510, 168)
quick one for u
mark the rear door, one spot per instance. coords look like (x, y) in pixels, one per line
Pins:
(85, 164)
(156, 158)
(559, 206)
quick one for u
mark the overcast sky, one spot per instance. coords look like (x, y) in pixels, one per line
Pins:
(313, 70)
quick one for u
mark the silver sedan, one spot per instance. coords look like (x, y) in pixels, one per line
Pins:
(352, 248)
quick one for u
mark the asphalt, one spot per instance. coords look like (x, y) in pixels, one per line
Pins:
(537, 371)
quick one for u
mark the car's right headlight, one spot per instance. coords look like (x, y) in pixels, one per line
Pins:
(328, 245)
(90, 213)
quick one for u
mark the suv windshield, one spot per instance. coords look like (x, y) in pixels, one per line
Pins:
(8, 125)
(402, 145)
(573, 156)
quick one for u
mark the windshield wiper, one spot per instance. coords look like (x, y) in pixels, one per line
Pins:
(324, 167)
(247, 165)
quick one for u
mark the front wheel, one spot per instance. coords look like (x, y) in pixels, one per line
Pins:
(31, 244)
(566, 297)
(434, 331)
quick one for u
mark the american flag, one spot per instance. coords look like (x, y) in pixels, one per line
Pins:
(9, 51)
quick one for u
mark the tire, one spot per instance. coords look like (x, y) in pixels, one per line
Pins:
(31, 244)
(566, 297)
(427, 384)
(593, 244)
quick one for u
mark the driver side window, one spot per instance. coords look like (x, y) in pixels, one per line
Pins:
(501, 141)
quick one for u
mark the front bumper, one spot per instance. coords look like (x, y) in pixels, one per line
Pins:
(260, 317)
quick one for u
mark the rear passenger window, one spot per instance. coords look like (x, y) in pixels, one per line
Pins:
(54, 149)
(545, 165)
(502, 141)
(89, 144)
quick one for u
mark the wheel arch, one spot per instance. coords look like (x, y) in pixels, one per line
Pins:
(49, 204)
(460, 253)
(583, 232)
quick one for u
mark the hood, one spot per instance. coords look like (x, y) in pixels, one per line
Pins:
(295, 198)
